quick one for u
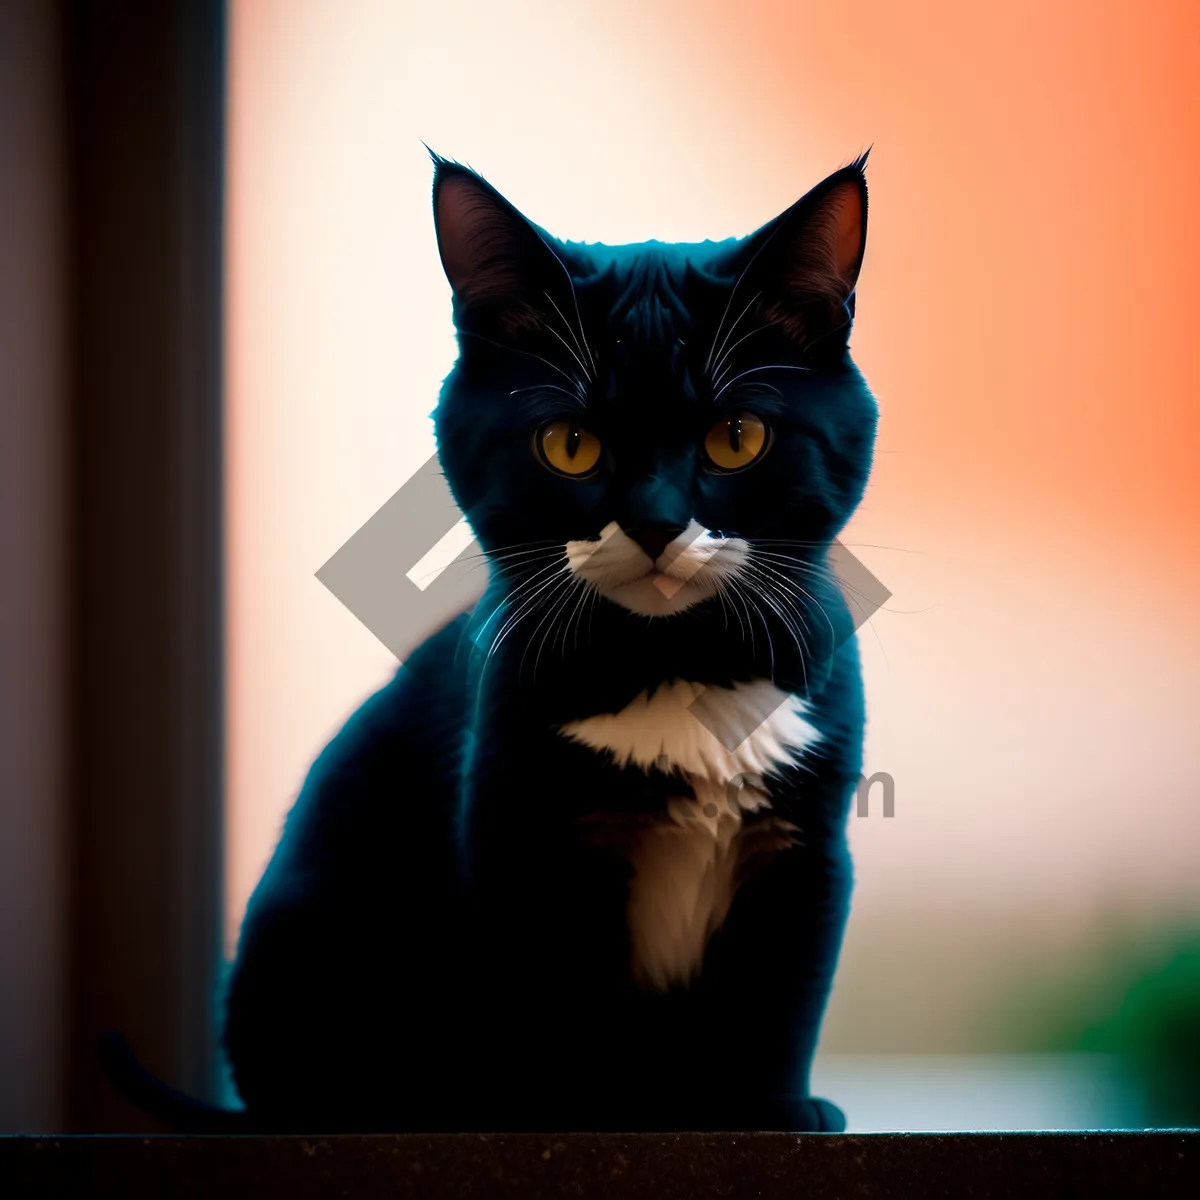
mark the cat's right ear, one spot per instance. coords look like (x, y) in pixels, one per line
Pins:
(505, 277)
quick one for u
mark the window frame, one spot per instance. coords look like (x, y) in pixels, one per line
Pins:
(144, 154)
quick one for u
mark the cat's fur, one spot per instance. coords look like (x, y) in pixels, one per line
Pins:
(534, 883)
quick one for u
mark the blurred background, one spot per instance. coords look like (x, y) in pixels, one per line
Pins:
(223, 329)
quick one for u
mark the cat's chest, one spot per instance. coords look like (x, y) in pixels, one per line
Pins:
(721, 743)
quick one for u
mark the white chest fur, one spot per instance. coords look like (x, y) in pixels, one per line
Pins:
(685, 864)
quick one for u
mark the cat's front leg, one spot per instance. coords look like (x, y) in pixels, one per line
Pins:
(769, 970)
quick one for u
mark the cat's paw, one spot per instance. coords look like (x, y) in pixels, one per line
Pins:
(818, 1116)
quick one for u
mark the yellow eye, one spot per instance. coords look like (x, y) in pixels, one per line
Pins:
(735, 441)
(567, 448)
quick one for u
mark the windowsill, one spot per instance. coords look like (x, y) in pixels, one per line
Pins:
(1163, 1163)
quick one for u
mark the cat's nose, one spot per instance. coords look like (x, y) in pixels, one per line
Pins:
(654, 539)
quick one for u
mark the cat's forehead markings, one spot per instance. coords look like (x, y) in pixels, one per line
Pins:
(648, 311)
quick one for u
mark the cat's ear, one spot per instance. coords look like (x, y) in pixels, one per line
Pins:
(503, 272)
(803, 266)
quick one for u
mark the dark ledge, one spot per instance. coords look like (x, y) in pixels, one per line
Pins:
(1162, 1163)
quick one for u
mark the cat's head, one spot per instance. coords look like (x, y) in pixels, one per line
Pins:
(658, 422)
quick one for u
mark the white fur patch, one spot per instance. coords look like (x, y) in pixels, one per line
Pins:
(771, 723)
(690, 569)
(685, 865)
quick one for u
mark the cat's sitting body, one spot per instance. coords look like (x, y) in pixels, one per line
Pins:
(583, 863)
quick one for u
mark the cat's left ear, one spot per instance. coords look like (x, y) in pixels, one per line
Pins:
(804, 265)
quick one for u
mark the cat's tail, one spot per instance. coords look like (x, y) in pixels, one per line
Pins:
(183, 1113)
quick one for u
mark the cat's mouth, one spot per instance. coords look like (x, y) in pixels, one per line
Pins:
(692, 568)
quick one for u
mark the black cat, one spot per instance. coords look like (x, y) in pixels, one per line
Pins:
(582, 864)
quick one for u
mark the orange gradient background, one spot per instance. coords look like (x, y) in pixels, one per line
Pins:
(1025, 317)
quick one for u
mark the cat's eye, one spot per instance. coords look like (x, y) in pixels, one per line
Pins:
(567, 448)
(736, 441)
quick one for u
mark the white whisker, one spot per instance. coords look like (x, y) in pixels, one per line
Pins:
(753, 371)
(512, 616)
(579, 344)
(574, 380)
(560, 597)
(717, 370)
(720, 354)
